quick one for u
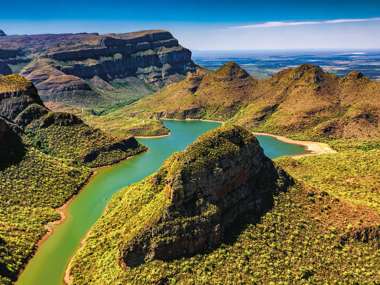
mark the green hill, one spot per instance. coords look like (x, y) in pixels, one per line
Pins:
(309, 102)
(222, 213)
(301, 102)
(45, 159)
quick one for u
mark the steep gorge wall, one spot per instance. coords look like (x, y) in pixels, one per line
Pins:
(79, 68)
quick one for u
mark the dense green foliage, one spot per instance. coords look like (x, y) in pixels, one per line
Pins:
(119, 125)
(352, 175)
(30, 191)
(301, 240)
(74, 142)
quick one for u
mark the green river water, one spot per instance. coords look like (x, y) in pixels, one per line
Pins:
(48, 265)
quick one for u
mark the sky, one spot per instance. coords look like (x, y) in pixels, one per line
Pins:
(209, 25)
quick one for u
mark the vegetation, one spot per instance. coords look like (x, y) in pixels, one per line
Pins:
(13, 83)
(119, 125)
(55, 133)
(301, 240)
(114, 121)
(45, 159)
(209, 95)
(307, 102)
(31, 189)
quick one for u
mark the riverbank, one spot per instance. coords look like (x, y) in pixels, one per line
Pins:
(89, 203)
(311, 147)
(189, 119)
(152, 137)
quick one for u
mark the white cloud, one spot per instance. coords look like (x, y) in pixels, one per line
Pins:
(276, 24)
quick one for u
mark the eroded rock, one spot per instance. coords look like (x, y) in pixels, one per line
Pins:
(210, 187)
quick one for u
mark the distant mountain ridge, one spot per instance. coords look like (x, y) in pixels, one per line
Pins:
(304, 101)
(88, 69)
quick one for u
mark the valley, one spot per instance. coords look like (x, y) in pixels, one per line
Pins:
(123, 161)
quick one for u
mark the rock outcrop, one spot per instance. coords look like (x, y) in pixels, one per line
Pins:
(59, 134)
(16, 94)
(64, 67)
(209, 188)
(12, 148)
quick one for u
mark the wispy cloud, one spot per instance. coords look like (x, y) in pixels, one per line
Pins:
(276, 24)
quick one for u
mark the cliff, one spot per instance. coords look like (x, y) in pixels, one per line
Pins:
(45, 158)
(59, 134)
(195, 202)
(16, 94)
(209, 189)
(63, 67)
(12, 148)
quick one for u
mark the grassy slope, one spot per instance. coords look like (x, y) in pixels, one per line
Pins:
(114, 121)
(120, 125)
(300, 240)
(30, 191)
(213, 95)
(49, 171)
(75, 141)
(305, 102)
(209, 95)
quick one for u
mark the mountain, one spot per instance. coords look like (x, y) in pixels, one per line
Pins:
(85, 69)
(54, 132)
(304, 101)
(205, 94)
(190, 206)
(2, 34)
(45, 159)
(309, 102)
(221, 212)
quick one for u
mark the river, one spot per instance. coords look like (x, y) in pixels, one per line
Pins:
(48, 265)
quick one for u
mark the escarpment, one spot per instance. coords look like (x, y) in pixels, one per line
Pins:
(16, 94)
(58, 134)
(87, 69)
(208, 190)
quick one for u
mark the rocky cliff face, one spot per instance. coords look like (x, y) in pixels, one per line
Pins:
(16, 94)
(11, 147)
(71, 65)
(59, 134)
(209, 189)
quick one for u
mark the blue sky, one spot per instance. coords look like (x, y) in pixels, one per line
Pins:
(210, 25)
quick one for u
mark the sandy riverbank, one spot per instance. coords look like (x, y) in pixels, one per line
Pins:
(312, 148)
(189, 119)
(152, 137)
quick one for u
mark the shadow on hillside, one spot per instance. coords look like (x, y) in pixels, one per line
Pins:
(12, 148)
